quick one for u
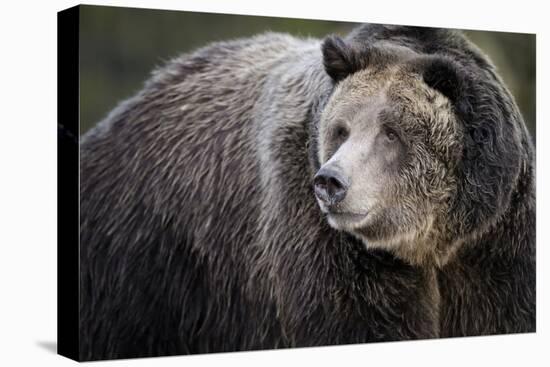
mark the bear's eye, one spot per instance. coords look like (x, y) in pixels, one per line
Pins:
(391, 135)
(341, 133)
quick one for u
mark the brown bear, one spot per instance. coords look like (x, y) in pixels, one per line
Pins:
(277, 192)
(426, 155)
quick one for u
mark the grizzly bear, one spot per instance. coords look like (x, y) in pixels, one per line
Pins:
(278, 192)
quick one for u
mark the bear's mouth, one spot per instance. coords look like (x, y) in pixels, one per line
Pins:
(346, 215)
(345, 220)
(340, 218)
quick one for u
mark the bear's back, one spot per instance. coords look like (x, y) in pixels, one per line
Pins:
(169, 206)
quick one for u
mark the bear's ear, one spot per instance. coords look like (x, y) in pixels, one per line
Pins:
(339, 58)
(444, 76)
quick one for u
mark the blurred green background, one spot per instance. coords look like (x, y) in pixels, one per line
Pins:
(120, 46)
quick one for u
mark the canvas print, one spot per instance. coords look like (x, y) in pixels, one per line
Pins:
(238, 183)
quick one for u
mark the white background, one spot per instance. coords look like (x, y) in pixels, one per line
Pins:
(28, 182)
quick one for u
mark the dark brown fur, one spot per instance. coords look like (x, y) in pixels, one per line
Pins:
(473, 166)
(200, 231)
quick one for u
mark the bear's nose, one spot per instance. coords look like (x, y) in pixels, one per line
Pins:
(330, 186)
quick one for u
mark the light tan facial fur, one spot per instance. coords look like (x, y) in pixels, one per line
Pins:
(400, 188)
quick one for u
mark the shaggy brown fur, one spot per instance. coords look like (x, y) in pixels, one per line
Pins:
(461, 193)
(200, 231)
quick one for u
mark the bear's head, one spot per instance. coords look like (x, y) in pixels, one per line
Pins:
(419, 148)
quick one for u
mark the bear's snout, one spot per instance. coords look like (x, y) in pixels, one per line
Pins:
(330, 186)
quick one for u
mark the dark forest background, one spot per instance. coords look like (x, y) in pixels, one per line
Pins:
(120, 46)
